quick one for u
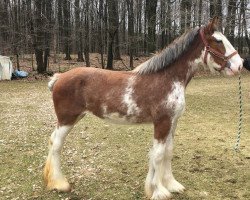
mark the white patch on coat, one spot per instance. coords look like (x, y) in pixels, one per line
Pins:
(193, 66)
(176, 99)
(128, 101)
(236, 61)
(117, 118)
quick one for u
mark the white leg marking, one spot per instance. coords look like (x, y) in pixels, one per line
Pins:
(154, 185)
(52, 171)
(148, 184)
(168, 179)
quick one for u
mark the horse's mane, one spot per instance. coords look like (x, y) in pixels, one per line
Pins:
(169, 54)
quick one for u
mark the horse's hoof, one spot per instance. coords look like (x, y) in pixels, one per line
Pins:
(161, 194)
(175, 186)
(59, 185)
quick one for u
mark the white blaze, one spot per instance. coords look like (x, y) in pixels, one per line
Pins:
(236, 61)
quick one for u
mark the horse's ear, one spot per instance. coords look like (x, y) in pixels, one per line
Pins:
(213, 25)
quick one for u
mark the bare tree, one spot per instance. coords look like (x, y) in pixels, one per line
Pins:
(67, 29)
(185, 21)
(117, 54)
(112, 30)
(150, 13)
(110, 27)
(86, 34)
(100, 31)
(78, 32)
(244, 4)
(230, 20)
(130, 5)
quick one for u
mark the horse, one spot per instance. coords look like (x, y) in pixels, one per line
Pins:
(154, 92)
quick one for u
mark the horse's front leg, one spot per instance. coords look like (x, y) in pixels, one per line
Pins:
(168, 179)
(154, 186)
(53, 176)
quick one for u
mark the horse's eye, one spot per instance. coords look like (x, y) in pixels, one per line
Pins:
(219, 41)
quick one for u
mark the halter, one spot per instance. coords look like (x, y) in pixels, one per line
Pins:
(215, 52)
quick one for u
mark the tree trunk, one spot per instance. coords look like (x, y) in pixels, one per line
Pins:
(78, 32)
(115, 24)
(86, 42)
(61, 38)
(123, 24)
(130, 6)
(110, 53)
(230, 21)
(67, 29)
(41, 33)
(100, 27)
(212, 8)
(4, 21)
(219, 12)
(163, 23)
(112, 30)
(47, 34)
(200, 13)
(16, 39)
(240, 34)
(188, 12)
(139, 37)
(39, 37)
(183, 16)
(145, 39)
(117, 54)
(168, 23)
(185, 9)
(105, 32)
(151, 19)
(245, 28)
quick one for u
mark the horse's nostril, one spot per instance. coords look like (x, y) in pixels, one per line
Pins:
(228, 64)
(240, 67)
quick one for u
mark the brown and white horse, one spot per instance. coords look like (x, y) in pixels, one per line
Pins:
(154, 92)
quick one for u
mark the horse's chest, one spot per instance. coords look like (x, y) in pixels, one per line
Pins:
(175, 100)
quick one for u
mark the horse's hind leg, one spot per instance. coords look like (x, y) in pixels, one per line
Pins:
(53, 176)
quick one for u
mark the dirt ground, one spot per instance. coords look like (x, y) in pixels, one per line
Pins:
(107, 161)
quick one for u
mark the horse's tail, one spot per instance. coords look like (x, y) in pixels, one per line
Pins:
(52, 81)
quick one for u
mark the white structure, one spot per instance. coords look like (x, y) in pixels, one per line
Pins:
(6, 68)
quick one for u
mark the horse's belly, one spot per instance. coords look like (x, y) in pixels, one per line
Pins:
(117, 118)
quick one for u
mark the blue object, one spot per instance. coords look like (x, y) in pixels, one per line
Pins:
(21, 74)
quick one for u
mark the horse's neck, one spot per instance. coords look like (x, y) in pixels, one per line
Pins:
(185, 67)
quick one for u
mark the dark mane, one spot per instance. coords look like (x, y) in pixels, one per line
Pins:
(169, 54)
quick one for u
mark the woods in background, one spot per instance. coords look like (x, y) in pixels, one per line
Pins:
(111, 27)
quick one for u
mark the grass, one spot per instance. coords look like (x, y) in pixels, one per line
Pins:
(106, 161)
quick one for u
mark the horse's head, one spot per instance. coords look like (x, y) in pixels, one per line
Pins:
(219, 54)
